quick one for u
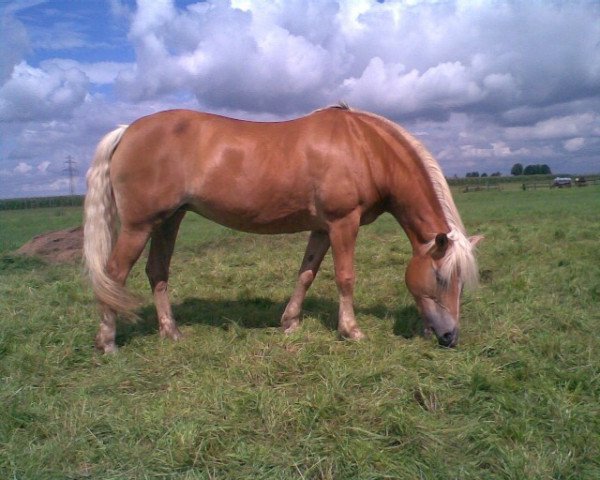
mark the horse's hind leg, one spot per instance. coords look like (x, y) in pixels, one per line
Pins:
(105, 338)
(157, 269)
(317, 247)
(129, 246)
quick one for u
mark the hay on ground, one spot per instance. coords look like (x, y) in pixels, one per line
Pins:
(62, 246)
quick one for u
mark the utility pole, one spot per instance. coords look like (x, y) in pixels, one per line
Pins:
(71, 171)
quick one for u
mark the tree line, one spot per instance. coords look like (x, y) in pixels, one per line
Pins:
(516, 170)
(41, 202)
(537, 169)
(483, 175)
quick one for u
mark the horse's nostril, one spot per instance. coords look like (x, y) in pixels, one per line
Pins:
(448, 339)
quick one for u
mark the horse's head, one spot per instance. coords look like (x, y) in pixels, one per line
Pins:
(436, 276)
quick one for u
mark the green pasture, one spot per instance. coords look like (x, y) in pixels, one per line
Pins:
(236, 399)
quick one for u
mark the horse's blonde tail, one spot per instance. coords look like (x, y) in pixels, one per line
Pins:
(100, 227)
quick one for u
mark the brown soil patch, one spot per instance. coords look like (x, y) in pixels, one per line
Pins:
(63, 246)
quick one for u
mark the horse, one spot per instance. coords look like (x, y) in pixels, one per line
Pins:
(327, 173)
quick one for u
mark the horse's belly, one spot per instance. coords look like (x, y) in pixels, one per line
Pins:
(263, 217)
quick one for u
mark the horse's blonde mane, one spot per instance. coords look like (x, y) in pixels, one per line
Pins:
(460, 258)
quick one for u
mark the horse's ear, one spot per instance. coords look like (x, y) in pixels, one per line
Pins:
(438, 250)
(475, 240)
(441, 241)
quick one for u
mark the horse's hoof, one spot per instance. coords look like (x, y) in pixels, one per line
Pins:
(289, 322)
(171, 333)
(176, 336)
(108, 349)
(290, 327)
(354, 335)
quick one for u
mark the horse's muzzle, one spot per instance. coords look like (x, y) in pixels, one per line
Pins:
(448, 339)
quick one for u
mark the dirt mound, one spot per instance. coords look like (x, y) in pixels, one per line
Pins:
(63, 246)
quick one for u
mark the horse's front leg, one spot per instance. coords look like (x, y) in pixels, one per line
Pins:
(342, 234)
(318, 244)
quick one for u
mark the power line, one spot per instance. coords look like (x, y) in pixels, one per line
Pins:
(71, 171)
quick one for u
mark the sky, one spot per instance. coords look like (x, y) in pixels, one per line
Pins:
(484, 84)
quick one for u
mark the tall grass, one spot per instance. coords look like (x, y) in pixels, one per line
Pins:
(237, 399)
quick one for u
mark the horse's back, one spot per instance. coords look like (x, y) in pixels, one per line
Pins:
(255, 176)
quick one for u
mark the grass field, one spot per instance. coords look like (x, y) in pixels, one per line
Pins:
(236, 399)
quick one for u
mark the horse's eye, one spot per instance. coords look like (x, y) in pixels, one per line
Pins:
(441, 281)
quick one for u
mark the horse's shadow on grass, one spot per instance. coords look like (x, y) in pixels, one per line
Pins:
(260, 312)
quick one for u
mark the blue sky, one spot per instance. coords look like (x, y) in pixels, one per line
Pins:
(84, 31)
(484, 84)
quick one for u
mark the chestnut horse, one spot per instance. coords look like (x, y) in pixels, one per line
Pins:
(328, 173)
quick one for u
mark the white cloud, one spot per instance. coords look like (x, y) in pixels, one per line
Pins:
(14, 43)
(57, 187)
(23, 168)
(497, 149)
(574, 144)
(59, 36)
(99, 73)
(486, 83)
(388, 88)
(41, 93)
(43, 167)
(558, 127)
(409, 57)
(119, 9)
(227, 57)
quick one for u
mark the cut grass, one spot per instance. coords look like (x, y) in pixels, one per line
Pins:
(237, 399)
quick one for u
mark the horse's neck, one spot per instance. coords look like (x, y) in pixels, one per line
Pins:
(409, 167)
(420, 221)
(414, 202)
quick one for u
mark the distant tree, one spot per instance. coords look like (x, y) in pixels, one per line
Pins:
(484, 175)
(532, 169)
(472, 174)
(496, 174)
(517, 169)
(537, 169)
